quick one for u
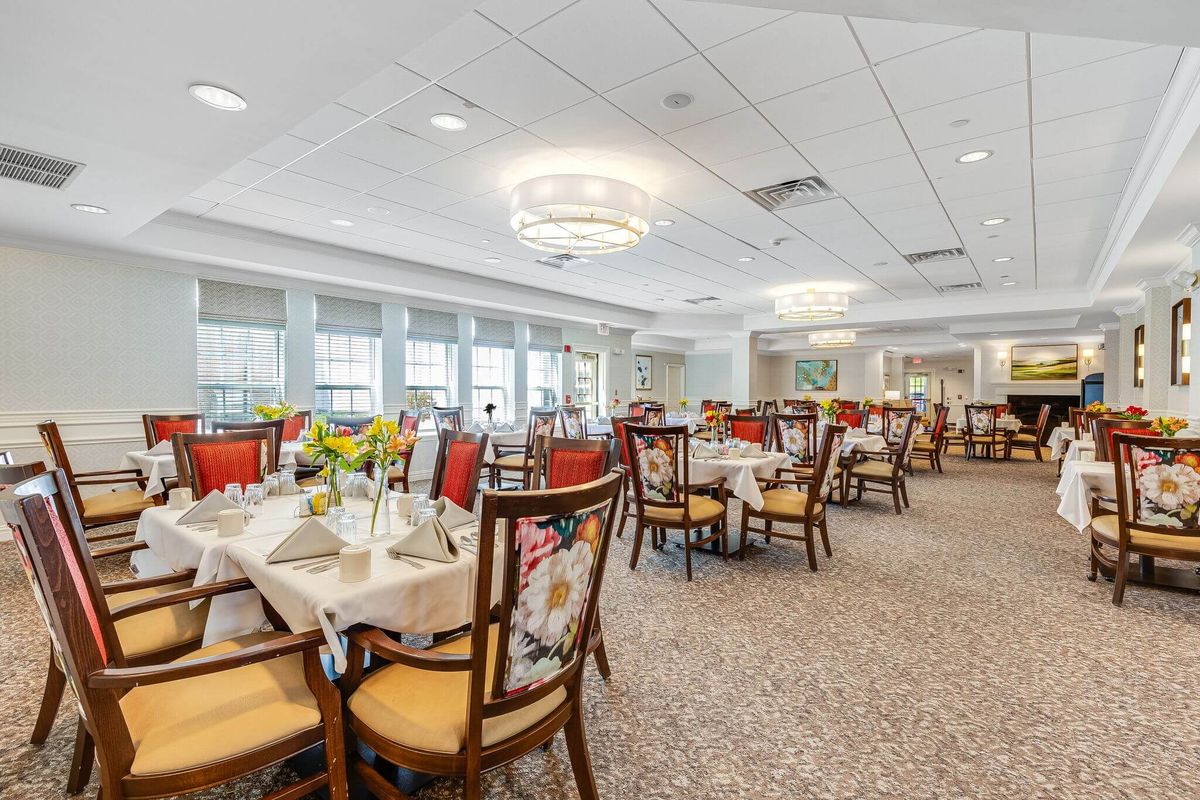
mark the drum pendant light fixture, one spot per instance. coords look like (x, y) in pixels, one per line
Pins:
(811, 306)
(579, 214)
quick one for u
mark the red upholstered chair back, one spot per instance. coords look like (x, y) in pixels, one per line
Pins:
(637, 410)
(618, 434)
(874, 419)
(706, 405)
(852, 418)
(1001, 409)
(159, 427)
(749, 428)
(456, 470)
(409, 422)
(559, 463)
(847, 405)
(1104, 428)
(207, 461)
(295, 427)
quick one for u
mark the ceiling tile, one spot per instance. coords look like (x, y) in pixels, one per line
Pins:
(216, 191)
(519, 15)
(283, 150)
(371, 207)
(985, 113)
(1011, 203)
(633, 38)
(1134, 76)
(765, 169)
(819, 213)
(648, 165)
(482, 213)
(254, 200)
(463, 175)
(246, 172)
(973, 63)
(418, 194)
(893, 199)
(844, 102)
(712, 96)
(693, 187)
(245, 217)
(500, 76)
(302, 187)
(725, 138)
(361, 227)
(192, 206)
(1076, 164)
(989, 178)
(707, 24)
(759, 230)
(1076, 215)
(383, 89)
(788, 54)
(519, 155)
(886, 38)
(859, 145)
(1130, 121)
(722, 208)
(353, 173)
(327, 123)
(885, 174)
(1010, 151)
(413, 115)
(1052, 52)
(1078, 188)
(380, 143)
(591, 129)
(466, 39)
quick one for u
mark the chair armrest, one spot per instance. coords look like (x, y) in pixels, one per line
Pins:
(378, 643)
(181, 596)
(132, 585)
(119, 549)
(95, 473)
(141, 480)
(784, 482)
(715, 483)
(131, 677)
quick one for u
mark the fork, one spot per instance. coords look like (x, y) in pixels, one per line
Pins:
(406, 560)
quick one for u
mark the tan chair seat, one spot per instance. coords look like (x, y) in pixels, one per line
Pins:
(198, 721)
(159, 629)
(702, 511)
(703, 436)
(1025, 437)
(514, 461)
(925, 447)
(871, 469)
(395, 473)
(427, 710)
(126, 503)
(785, 502)
(1105, 530)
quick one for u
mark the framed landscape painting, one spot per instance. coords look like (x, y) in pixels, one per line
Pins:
(816, 376)
(1053, 362)
(643, 371)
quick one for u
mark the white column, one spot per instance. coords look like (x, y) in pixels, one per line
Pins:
(566, 364)
(466, 340)
(895, 381)
(1114, 360)
(1129, 317)
(873, 375)
(521, 372)
(745, 368)
(977, 375)
(395, 333)
(1158, 343)
(300, 379)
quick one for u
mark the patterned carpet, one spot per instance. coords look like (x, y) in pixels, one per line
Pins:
(956, 651)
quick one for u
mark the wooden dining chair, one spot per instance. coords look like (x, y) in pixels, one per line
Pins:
(795, 435)
(106, 508)
(409, 422)
(750, 428)
(932, 448)
(654, 414)
(208, 461)
(275, 426)
(851, 417)
(159, 427)
(295, 427)
(457, 467)
(1104, 428)
(519, 460)
(627, 499)
(875, 419)
(663, 492)
(1151, 520)
(489, 696)
(885, 477)
(981, 434)
(447, 418)
(893, 424)
(803, 505)
(573, 421)
(1030, 437)
(177, 727)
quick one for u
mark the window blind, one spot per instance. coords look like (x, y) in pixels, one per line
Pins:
(492, 379)
(350, 315)
(495, 332)
(235, 302)
(545, 337)
(431, 370)
(238, 366)
(347, 372)
(426, 324)
(544, 378)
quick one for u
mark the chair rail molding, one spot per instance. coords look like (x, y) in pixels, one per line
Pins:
(18, 429)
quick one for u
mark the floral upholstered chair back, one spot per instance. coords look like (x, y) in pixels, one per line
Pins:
(448, 418)
(541, 423)
(657, 457)
(831, 451)
(875, 419)
(908, 438)
(1159, 486)
(796, 435)
(981, 420)
(574, 422)
(654, 415)
(893, 423)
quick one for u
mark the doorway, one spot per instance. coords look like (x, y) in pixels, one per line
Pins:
(674, 384)
(587, 383)
(916, 385)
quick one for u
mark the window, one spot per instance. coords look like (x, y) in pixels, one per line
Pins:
(238, 366)
(918, 390)
(1139, 356)
(431, 367)
(347, 372)
(545, 378)
(587, 383)
(1181, 342)
(492, 381)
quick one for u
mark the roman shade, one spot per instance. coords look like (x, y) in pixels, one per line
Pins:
(350, 315)
(239, 303)
(545, 337)
(426, 324)
(495, 332)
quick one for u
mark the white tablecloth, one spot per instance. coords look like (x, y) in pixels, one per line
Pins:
(858, 440)
(740, 474)
(1075, 487)
(1004, 423)
(159, 467)
(1076, 449)
(1059, 439)
(397, 596)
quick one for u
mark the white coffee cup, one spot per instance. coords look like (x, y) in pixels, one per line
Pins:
(1085, 437)
(230, 521)
(354, 563)
(1087, 455)
(179, 499)
(404, 503)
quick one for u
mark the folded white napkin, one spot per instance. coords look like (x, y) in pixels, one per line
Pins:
(310, 540)
(163, 448)
(452, 514)
(475, 428)
(430, 540)
(504, 427)
(206, 510)
(753, 450)
(704, 451)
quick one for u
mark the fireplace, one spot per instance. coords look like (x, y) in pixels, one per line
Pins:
(1027, 406)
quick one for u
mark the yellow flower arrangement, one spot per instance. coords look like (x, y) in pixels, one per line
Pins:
(281, 411)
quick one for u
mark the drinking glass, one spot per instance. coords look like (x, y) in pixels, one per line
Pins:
(234, 492)
(287, 482)
(429, 512)
(255, 495)
(347, 528)
(270, 484)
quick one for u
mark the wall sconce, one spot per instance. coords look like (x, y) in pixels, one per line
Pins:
(1002, 357)
(1088, 355)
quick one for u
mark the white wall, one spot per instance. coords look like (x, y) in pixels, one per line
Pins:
(958, 384)
(709, 376)
(997, 383)
(782, 375)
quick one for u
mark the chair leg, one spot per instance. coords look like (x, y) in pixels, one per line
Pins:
(581, 762)
(81, 760)
(687, 552)
(51, 698)
(600, 654)
(639, 529)
(1119, 583)
(767, 526)
(825, 537)
(904, 493)
(896, 496)
(742, 532)
(810, 545)
(1093, 564)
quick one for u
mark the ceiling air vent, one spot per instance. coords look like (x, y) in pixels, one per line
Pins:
(563, 260)
(792, 193)
(36, 168)
(929, 257)
(959, 287)
(697, 301)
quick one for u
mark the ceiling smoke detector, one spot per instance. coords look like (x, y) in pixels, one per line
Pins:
(790, 194)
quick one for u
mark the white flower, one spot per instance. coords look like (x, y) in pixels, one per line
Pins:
(793, 441)
(1171, 486)
(655, 466)
(525, 672)
(556, 592)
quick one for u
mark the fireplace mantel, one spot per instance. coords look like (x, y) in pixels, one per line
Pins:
(1066, 388)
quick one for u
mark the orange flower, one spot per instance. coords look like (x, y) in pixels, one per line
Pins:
(1190, 459)
(663, 444)
(589, 531)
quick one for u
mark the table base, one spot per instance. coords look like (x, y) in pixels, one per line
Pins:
(1147, 573)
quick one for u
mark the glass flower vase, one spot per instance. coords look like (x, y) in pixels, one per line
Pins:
(381, 520)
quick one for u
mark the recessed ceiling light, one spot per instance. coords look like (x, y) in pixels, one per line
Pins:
(744, 259)
(342, 223)
(492, 260)
(973, 156)
(485, 241)
(448, 122)
(1002, 259)
(664, 223)
(380, 210)
(677, 100)
(1009, 283)
(958, 123)
(216, 97)
(880, 264)
(84, 207)
(995, 221)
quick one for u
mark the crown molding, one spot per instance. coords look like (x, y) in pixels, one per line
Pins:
(1130, 308)
(1110, 326)
(1146, 284)
(1189, 236)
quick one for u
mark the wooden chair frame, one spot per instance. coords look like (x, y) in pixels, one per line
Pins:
(496, 472)
(578, 412)
(1039, 429)
(936, 440)
(658, 529)
(763, 420)
(852, 417)
(447, 414)
(484, 700)
(443, 449)
(988, 442)
(775, 436)
(895, 484)
(148, 421)
(99, 683)
(182, 443)
(1102, 432)
(275, 426)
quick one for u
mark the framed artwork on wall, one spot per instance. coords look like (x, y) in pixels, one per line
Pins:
(1044, 362)
(643, 373)
(819, 375)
